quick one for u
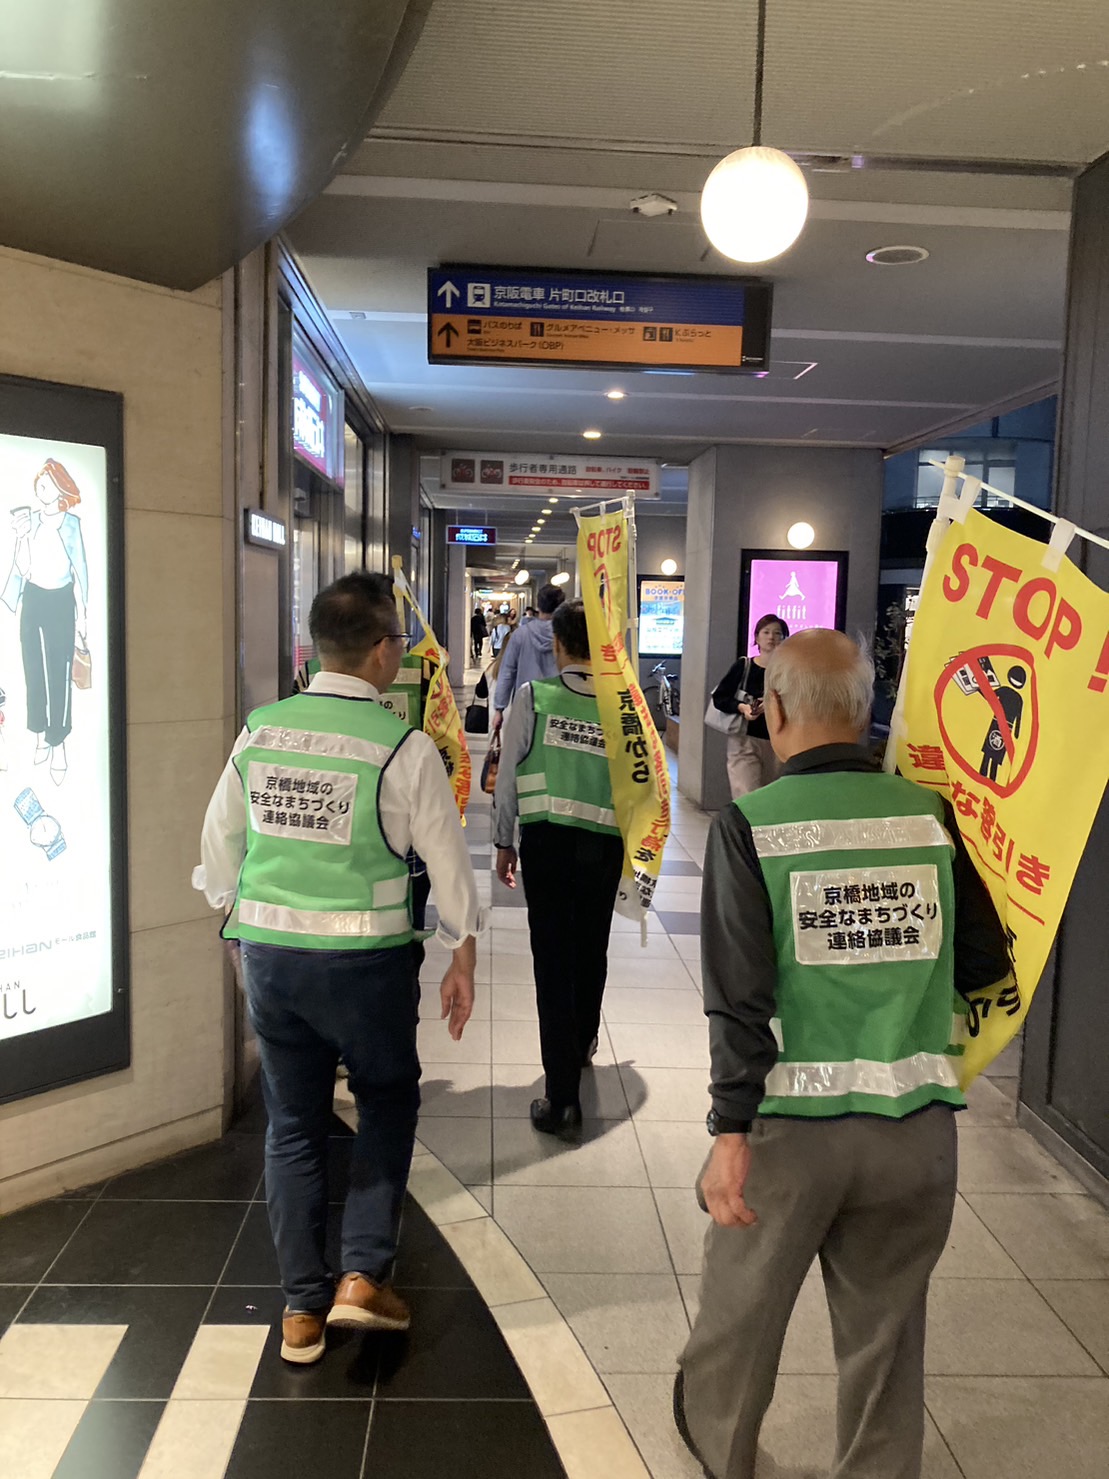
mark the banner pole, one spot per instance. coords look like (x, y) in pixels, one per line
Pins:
(400, 585)
(633, 592)
(1032, 509)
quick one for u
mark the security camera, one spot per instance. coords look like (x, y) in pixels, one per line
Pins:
(653, 204)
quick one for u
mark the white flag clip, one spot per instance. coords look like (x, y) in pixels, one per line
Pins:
(1061, 535)
(966, 499)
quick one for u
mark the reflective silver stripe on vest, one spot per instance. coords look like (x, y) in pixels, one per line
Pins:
(308, 742)
(325, 923)
(860, 1076)
(787, 839)
(530, 783)
(560, 806)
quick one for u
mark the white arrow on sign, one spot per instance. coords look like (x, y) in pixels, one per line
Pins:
(449, 292)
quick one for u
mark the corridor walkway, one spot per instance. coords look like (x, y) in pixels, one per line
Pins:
(1018, 1347)
(552, 1286)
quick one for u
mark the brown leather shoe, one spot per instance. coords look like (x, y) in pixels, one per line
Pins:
(360, 1304)
(302, 1336)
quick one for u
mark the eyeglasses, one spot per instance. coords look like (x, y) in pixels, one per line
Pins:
(395, 637)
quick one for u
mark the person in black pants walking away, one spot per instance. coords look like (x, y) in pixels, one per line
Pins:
(478, 633)
(554, 776)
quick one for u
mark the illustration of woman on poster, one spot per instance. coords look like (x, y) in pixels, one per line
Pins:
(49, 575)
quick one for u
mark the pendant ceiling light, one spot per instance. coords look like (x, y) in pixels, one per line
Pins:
(755, 202)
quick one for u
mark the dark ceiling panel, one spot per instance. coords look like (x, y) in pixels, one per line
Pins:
(165, 140)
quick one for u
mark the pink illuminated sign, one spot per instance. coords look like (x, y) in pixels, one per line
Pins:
(317, 414)
(802, 593)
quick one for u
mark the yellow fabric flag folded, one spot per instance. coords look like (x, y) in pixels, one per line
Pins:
(636, 758)
(441, 719)
(1006, 714)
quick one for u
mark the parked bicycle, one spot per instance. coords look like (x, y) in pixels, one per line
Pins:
(663, 696)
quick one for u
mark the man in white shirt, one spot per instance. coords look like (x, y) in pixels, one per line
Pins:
(305, 843)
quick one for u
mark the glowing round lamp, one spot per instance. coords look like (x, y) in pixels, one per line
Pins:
(562, 578)
(522, 577)
(801, 535)
(669, 567)
(754, 204)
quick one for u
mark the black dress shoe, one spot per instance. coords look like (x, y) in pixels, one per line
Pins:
(565, 1122)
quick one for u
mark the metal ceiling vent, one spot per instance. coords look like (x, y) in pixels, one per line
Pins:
(897, 256)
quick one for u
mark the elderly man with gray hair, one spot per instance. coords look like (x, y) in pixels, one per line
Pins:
(842, 927)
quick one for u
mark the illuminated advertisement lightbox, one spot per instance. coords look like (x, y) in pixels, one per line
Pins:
(661, 616)
(803, 588)
(63, 822)
(317, 414)
(471, 534)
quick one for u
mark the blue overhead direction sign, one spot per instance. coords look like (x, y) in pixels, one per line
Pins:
(496, 315)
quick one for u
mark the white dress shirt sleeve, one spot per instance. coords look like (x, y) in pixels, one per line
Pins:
(418, 811)
(223, 840)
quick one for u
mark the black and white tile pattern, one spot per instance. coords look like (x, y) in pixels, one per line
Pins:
(140, 1336)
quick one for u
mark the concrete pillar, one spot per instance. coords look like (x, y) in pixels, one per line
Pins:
(457, 635)
(746, 498)
(402, 499)
(1064, 1088)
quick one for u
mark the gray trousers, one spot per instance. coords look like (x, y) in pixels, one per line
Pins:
(872, 1199)
(751, 763)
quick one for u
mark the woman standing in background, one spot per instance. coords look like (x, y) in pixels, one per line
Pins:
(751, 761)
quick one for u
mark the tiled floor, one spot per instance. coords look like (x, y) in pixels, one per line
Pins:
(139, 1340)
(585, 1260)
(1018, 1350)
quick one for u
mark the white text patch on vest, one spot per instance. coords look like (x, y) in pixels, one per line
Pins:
(312, 805)
(573, 734)
(866, 916)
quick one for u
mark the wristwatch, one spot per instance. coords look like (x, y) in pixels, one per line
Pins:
(44, 830)
(718, 1124)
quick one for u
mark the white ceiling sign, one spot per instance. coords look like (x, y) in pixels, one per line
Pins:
(531, 473)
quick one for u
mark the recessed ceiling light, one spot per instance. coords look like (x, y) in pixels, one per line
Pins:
(615, 394)
(897, 256)
(592, 435)
(554, 500)
(419, 408)
(549, 510)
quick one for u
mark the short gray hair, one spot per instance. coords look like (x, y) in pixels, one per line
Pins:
(809, 695)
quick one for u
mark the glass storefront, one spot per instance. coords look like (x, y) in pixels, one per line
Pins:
(333, 474)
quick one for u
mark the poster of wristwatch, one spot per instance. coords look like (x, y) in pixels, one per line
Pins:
(61, 697)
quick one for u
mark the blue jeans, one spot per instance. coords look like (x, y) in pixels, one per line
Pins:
(309, 1008)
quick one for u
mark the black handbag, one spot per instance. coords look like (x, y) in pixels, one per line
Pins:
(476, 720)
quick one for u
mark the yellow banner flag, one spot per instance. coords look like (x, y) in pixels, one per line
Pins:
(441, 719)
(636, 758)
(1005, 711)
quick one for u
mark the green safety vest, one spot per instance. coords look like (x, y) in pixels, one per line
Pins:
(564, 776)
(404, 697)
(318, 872)
(858, 868)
